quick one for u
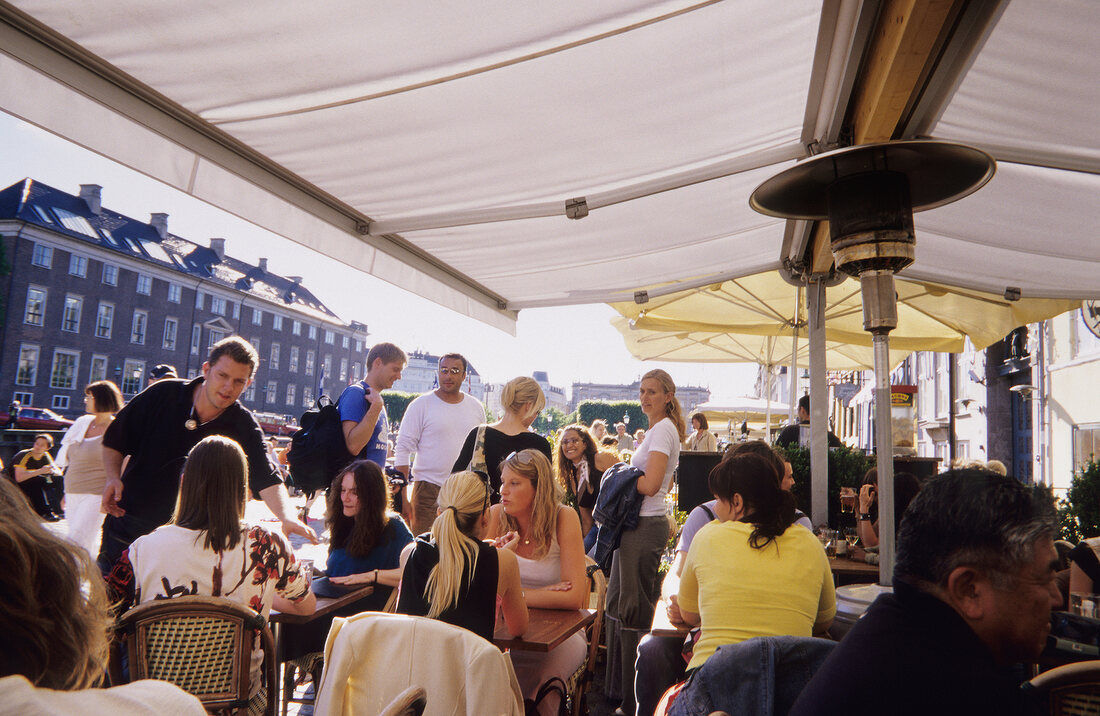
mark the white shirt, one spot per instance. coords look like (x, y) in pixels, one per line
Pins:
(663, 438)
(434, 431)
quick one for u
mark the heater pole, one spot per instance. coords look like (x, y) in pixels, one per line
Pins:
(884, 450)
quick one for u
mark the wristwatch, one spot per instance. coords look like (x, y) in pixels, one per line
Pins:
(864, 517)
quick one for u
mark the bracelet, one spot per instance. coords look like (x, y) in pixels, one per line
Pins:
(864, 517)
(376, 576)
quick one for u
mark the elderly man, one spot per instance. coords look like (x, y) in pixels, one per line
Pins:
(973, 590)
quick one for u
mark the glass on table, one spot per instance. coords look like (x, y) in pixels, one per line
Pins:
(306, 566)
(1084, 604)
(851, 536)
(848, 500)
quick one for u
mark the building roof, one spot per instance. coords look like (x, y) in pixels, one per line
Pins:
(36, 203)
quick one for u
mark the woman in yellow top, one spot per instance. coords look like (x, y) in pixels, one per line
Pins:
(753, 572)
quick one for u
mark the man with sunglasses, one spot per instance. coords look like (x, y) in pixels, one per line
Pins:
(433, 429)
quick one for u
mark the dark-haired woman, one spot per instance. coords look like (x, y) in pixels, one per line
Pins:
(579, 466)
(701, 438)
(751, 573)
(365, 535)
(207, 549)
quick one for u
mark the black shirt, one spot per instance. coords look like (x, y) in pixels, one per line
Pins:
(498, 446)
(150, 429)
(792, 435)
(911, 654)
(477, 599)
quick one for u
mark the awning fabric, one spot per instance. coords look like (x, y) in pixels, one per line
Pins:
(441, 147)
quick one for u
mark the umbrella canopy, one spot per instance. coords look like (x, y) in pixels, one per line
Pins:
(722, 317)
(495, 155)
(754, 410)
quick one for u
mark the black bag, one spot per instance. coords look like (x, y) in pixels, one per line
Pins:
(317, 449)
(553, 685)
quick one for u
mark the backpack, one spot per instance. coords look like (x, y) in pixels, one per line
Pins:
(317, 449)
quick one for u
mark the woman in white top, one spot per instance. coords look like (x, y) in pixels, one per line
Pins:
(82, 454)
(633, 589)
(546, 537)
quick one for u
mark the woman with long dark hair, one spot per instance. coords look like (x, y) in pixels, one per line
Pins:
(452, 575)
(579, 465)
(753, 573)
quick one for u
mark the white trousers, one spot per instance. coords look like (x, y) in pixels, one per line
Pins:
(85, 520)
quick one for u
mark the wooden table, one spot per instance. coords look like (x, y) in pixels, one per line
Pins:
(662, 626)
(546, 629)
(850, 571)
(325, 605)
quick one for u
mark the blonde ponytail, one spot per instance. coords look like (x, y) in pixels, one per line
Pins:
(462, 499)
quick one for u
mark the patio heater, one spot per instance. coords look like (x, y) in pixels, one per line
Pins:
(868, 193)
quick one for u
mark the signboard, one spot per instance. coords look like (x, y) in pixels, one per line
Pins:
(902, 396)
(1090, 316)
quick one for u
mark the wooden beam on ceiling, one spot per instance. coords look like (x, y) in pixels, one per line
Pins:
(904, 47)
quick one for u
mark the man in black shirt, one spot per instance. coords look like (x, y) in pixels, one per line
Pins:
(973, 589)
(33, 470)
(793, 434)
(160, 426)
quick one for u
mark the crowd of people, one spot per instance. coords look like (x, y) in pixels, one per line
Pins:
(499, 520)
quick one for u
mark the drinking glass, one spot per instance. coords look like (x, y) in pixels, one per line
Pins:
(307, 571)
(851, 536)
(848, 500)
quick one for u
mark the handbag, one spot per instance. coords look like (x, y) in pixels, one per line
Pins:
(552, 685)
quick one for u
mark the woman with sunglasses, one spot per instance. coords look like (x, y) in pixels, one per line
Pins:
(633, 589)
(451, 575)
(546, 538)
(580, 465)
(486, 445)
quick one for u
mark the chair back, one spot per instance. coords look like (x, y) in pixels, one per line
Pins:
(1070, 689)
(371, 658)
(597, 597)
(201, 644)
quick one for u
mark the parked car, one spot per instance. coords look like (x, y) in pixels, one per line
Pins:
(37, 419)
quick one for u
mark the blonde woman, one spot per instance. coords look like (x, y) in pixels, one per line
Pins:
(451, 575)
(523, 400)
(546, 538)
(633, 589)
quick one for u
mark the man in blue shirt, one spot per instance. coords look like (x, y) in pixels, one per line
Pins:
(362, 411)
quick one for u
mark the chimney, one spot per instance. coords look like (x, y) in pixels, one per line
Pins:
(90, 193)
(295, 279)
(160, 223)
(218, 247)
(263, 265)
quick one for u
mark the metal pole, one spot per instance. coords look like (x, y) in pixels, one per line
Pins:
(793, 410)
(819, 418)
(884, 450)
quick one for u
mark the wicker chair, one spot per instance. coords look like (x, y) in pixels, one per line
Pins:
(1070, 689)
(579, 681)
(201, 644)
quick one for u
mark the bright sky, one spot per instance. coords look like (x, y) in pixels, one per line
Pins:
(574, 343)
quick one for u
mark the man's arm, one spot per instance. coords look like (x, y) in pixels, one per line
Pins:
(112, 490)
(278, 501)
(357, 435)
(408, 437)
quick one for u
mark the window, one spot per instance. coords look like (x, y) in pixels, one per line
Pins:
(98, 371)
(110, 275)
(217, 305)
(296, 328)
(277, 322)
(175, 293)
(272, 390)
(35, 312)
(307, 397)
(356, 371)
(196, 339)
(291, 393)
(327, 371)
(1086, 445)
(255, 341)
(311, 358)
(257, 317)
(346, 341)
(250, 392)
(104, 318)
(313, 333)
(137, 328)
(330, 337)
(274, 362)
(27, 369)
(358, 346)
(171, 327)
(63, 374)
(214, 337)
(23, 398)
(343, 369)
(70, 318)
(145, 285)
(236, 310)
(42, 256)
(132, 372)
(60, 402)
(292, 365)
(200, 300)
(78, 265)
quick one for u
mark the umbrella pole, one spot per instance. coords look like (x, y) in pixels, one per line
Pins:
(819, 413)
(768, 410)
(793, 411)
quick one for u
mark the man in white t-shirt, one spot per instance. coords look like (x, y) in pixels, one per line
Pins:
(434, 427)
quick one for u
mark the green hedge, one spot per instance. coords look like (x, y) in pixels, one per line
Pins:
(847, 467)
(611, 413)
(1079, 512)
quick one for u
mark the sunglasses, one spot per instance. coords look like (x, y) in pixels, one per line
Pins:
(452, 371)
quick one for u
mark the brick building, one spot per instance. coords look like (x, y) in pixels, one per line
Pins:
(90, 294)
